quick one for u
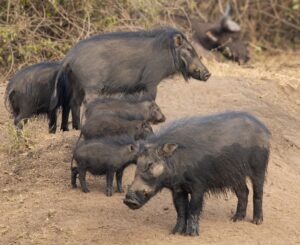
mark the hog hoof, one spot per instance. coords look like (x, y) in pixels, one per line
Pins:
(64, 129)
(76, 127)
(120, 190)
(109, 192)
(86, 190)
(52, 130)
(192, 229)
(257, 221)
(238, 217)
(180, 228)
(74, 186)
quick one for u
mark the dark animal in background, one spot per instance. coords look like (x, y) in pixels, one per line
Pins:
(146, 110)
(29, 92)
(106, 156)
(99, 125)
(203, 154)
(127, 62)
(224, 36)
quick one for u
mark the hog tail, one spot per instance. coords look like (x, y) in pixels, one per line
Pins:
(8, 97)
(60, 75)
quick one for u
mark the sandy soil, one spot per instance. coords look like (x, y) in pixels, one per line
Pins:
(38, 206)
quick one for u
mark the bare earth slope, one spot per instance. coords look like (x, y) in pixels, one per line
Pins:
(38, 206)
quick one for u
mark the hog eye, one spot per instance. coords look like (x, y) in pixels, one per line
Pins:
(148, 166)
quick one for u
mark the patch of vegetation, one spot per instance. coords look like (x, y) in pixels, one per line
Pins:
(34, 30)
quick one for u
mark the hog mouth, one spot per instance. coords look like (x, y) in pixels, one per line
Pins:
(132, 203)
(161, 120)
(203, 76)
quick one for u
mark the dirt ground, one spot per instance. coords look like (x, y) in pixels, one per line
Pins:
(38, 205)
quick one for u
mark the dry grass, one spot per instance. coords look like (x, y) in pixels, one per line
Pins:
(33, 30)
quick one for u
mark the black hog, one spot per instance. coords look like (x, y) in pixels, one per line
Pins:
(128, 63)
(29, 92)
(106, 156)
(99, 126)
(224, 36)
(203, 154)
(147, 110)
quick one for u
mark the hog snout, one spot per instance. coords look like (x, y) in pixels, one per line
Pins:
(205, 75)
(131, 200)
(162, 119)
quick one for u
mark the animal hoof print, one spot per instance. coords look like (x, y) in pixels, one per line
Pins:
(257, 221)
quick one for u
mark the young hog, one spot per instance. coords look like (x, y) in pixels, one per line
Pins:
(203, 154)
(146, 110)
(105, 156)
(100, 125)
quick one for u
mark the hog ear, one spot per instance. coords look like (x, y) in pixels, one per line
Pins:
(211, 36)
(178, 40)
(167, 149)
(227, 23)
(231, 25)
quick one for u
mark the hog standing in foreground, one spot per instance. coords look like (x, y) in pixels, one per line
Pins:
(105, 156)
(99, 125)
(146, 110)
(203, 154)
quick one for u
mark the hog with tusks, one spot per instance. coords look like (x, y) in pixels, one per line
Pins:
(100, 125)
(105, 156)
(145, 110)
(201, 155)
(28, 93)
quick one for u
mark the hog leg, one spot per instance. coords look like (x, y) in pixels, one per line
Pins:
(109, 182)
(258, 183)
(21, 120)
(242, 195)
(52, 121)
(65, 118)
(119, 175)
(74, 172)
(82, 175)
(194, 210)
(181, 202)
(76, 116)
